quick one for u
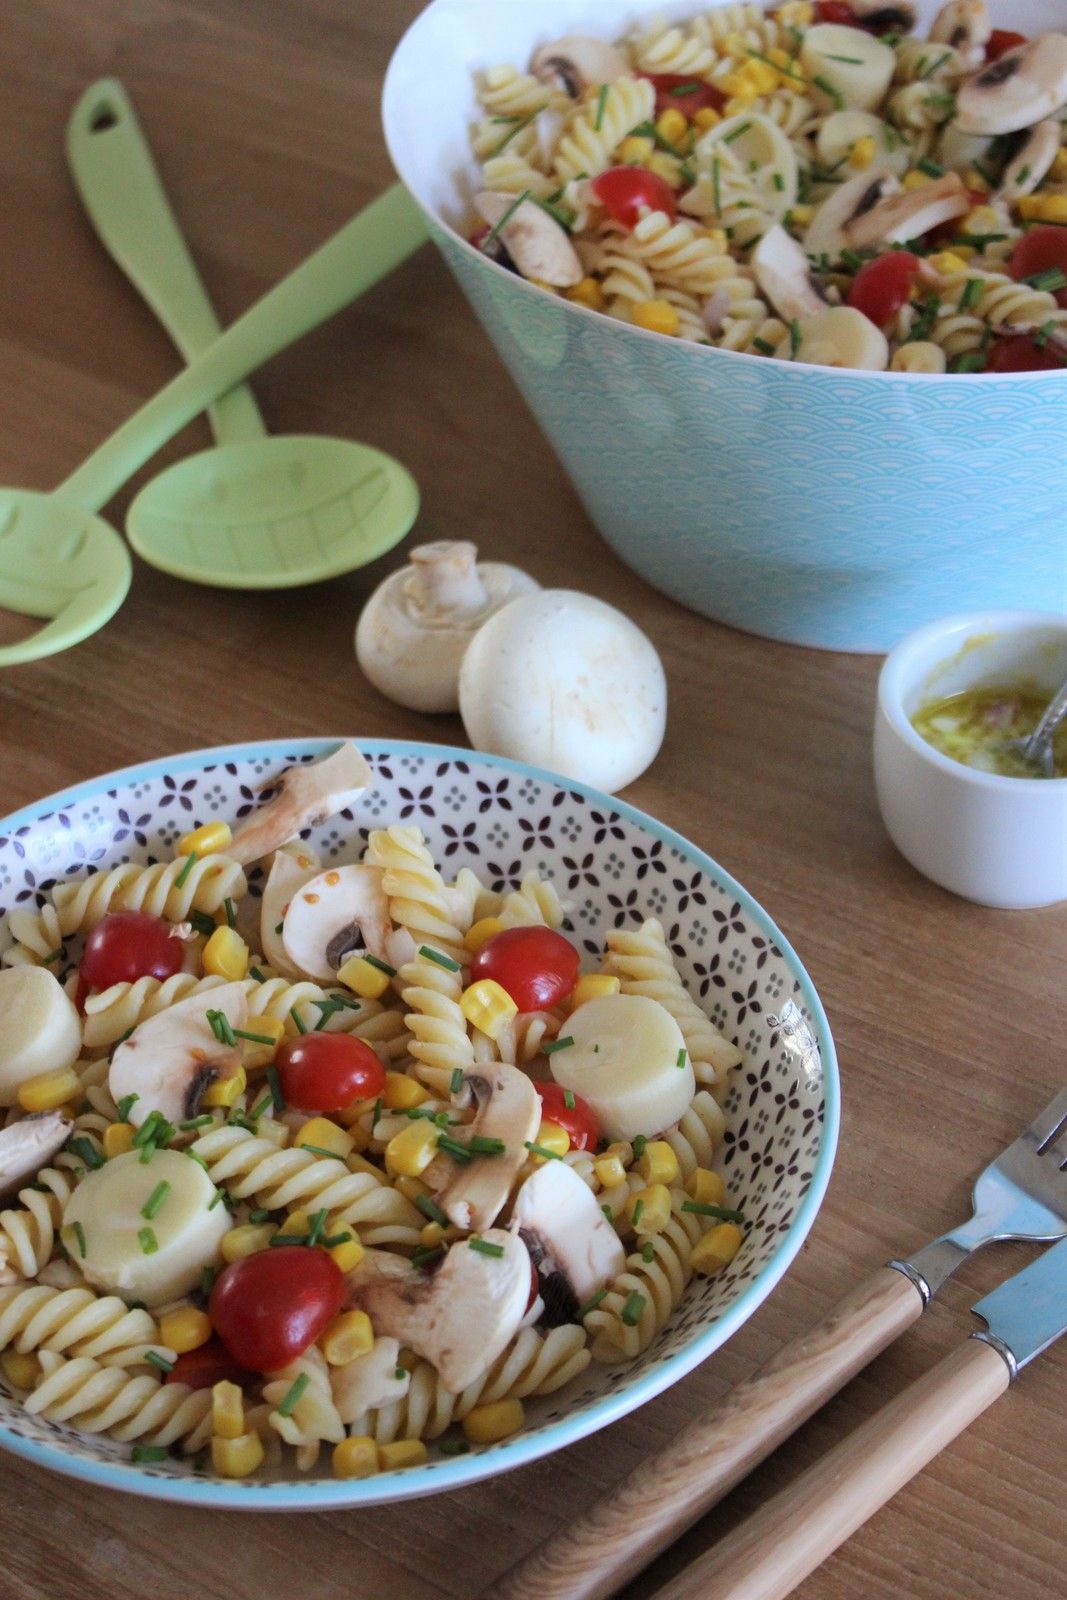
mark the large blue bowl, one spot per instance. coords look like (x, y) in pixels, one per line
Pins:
(832, 508)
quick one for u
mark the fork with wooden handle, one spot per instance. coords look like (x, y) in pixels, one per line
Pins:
(1022, 1194)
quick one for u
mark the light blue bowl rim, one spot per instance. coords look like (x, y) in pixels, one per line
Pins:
(457, 1473)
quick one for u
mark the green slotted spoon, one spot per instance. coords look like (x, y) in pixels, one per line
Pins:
(58, 559)
(254, 512)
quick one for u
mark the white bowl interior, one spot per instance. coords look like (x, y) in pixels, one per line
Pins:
(979, 651)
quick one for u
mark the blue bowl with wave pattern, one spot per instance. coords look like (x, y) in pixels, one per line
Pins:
(830, 508)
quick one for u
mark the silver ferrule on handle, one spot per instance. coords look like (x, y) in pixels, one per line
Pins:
(1003, 1350)
(931, 1267)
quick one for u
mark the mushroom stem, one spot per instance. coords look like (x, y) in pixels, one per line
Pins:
(446, 578)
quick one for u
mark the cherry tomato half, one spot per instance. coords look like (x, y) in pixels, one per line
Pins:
(1018, 353)
(267, 1308)
(580, 1120)
(675, 92)
(887, 19)
(1042, 250)
(125, 946)
(626, 191)
(209, 1364)
(1000, 41)
(327, 1071)
(883, 285)
(537, 966)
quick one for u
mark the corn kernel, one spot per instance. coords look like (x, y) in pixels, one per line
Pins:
(947, 261)
(740, 103)
(487, 1006)
(658, 1163)
(706, 118)
(246, 1240)
(410, 1188)
(185, 1329)
(348, 1336)
(862, 152)
(672, 125)
(355, 1458)
(347, 1254)
(915, 179)
(801, 215)
(21, 1371)
(666, 167)
(403, 1093)
(49, 1090)
(609, 1171)
(410, 1151)
(363, 978)
(593, 986)
(1044, 207)
(238, 1457)
(964, 251)
(255, 1057)
(797, 14)
(706, 1187)
(657, 315)
(650, 1209)
(974, 180)
(227, 1410)
(497, 1420)
(1058, 168)
(207, 840)
(550, 1136)
(716, 1249)
(325, 1135)
(586, 293)
(762, 77)
(118, 1139)
(401, 1453)
(296, 1222)
(983, 219)
(224, 1092)
(226, 955)
(635, 149)
(481, 932)
(431, 1235)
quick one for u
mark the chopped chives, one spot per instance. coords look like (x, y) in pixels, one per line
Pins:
(321, 1150)
(756, 56)
(291, 1238)
(190, 862)
(231, 920)
(79, 1234)
(484, 1248)
(220, 1026)
(568, 1099)
(455, 1083)
(702, 1208)
(794, 338)
(191, 1155)
(969, 361)
(556, 1044)
(631, 1311)
(972, 293)
(156, 1200)
(431, 1209)
(298, 1023)
(591, 1304)
(376, 1111)
(850, 61)
(638, 1212)
(737, 132)
(608, 1213)
(253, 1038)
(425, 1254)
(715, 186)
(220, 1194)
(53, 955)
(260, 1214)
(83, 1147)
(148, 1241)
(400, 1373)
(1051, 280)
(202, 923)
(274, 1084)
(778, 181)
(505, 218)
(828, 89)
(159, 1361)
(681, 1060)
(125, 1106)
(335, 1239)
(931, 168)
(254, 972)
(929, 71)
(382, 966)
(601, 102)
(317, 1226)
(278, 926)
(207, 1281)
(543, 1151)
(480, 1145)
(454, 1447)
(684, 88)
(260, 1106)
(436, 956)
(648, 1252)
(1041, 337)
(289, 1400)
(197, 1122)
(520, 123)
(149, 1452)
(763, 347)
(639, 1146)
(452, 1147)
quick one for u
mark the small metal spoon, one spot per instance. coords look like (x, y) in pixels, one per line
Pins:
(1035, 751)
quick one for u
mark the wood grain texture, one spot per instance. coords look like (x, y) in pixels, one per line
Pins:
(949, 1018)
(767, 1556)
(620, 1536)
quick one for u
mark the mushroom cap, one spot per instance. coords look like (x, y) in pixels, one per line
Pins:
(565, 681)
(1031, 161)
(852, 199)
(28, 1144)
(536, 243)
(369, 1381)
(1021, 87)
(965, 25)
(509, 1109)
(170, 1059)
(910, 214)
(337, 911)
(289, 871)
(307, 795)
(577, 61)
(783, 273)
(571, 1243)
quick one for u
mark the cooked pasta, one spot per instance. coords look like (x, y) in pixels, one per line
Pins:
(699, 1134)
(77, 1322)
(418, 897)
(641, 1299)
(440, 1044)
(28, 1231)
(137, 1409)
(591, 136)
(313, 1420)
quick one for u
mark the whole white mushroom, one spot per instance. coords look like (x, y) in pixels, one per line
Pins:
(414, 629)
(564, 681)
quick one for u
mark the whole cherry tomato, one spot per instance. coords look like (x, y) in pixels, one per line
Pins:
(883, 285)
(1000, 41)
(1017, 352)
(209, 1364)
(1042, 250)
(269, 1307)
(626, 191)
(675, 92)
(327, 1071)
(125, 946)
(579, 1119)
(536, 966)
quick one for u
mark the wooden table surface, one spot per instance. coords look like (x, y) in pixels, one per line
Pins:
(950, 1019)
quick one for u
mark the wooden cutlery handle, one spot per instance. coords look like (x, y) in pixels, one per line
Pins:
(767, 1556)
(665, 1495)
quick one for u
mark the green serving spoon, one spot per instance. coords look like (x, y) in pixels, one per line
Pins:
(255, 512)
(58, 559)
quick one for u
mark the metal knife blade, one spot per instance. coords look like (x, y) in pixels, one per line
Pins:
(1028, 1312)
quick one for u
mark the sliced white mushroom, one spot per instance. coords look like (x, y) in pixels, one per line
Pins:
(370, 1381)
(170, 1059)
(898, 18)
(571, 1243)
(1031, 161)
(536, 243)
(841, 130)
(39, 1027)
(576, 62)
(961, 150)
(307, 795)
(841, 336)
(826, 232)
(414, 629)
(965, 25)
(289, 871)
(339, 911)
(1021, 87)
(911, 214)
(458, 1317)
(846, 67)
(27, 1145)
(783, 273)
(508, 1112)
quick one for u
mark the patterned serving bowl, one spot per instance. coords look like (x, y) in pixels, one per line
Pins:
(614, 866)
(839, 509)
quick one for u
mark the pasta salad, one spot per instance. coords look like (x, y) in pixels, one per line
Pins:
(815, 183)
(361, 1161)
